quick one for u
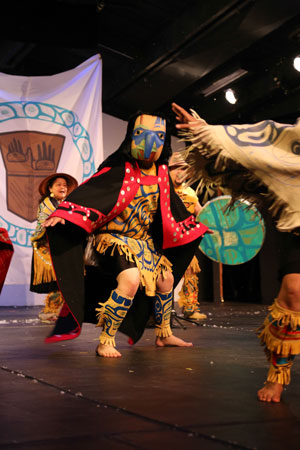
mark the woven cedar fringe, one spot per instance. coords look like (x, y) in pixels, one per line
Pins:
(188, 294)
(281, 374)
(194, 265)
(163, 331)
(42, 265)
(148, 278)
(106, 340)
(271, 333)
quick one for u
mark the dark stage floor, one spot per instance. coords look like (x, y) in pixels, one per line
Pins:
(61, 396)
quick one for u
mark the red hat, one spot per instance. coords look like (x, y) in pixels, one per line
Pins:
(44, 186)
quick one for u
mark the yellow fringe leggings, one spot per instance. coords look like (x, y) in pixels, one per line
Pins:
(111, 315)
(188, 295)
(280, 335)
(162, 313)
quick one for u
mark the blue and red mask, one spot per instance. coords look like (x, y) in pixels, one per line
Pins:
(148, 137)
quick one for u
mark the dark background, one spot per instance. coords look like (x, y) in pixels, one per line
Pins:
(155, 52)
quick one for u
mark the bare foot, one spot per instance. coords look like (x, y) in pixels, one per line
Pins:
(172, 341)
(107, 351)
(271, 392)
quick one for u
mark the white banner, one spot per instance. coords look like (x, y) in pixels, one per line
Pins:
(47, 124)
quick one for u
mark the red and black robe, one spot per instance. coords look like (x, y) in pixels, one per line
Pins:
(94, 203)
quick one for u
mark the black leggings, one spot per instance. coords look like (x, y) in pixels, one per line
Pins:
(114, 264)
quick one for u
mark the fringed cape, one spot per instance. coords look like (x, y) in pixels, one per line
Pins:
(259, 162)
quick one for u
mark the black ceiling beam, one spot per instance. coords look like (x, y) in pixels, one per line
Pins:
(203, 50)
(169, 44)
(270, 81)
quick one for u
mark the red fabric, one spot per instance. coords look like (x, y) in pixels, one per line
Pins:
(6, 252)
(174, 233)
(62, 337)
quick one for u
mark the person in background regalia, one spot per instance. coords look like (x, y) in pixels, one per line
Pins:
(188, 295)
(53, 190)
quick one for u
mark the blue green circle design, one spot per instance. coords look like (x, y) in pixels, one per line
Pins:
(238, 232)
(62, 117)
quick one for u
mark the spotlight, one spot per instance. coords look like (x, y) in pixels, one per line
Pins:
(230, 96)
(297, 63)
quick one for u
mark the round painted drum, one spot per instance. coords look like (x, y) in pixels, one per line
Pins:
(238, 232)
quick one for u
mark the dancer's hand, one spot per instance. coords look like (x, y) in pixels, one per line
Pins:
(187, 121)
(52, 221)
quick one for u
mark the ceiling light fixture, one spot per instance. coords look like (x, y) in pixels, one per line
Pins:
(230, 96)
(296, 63)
